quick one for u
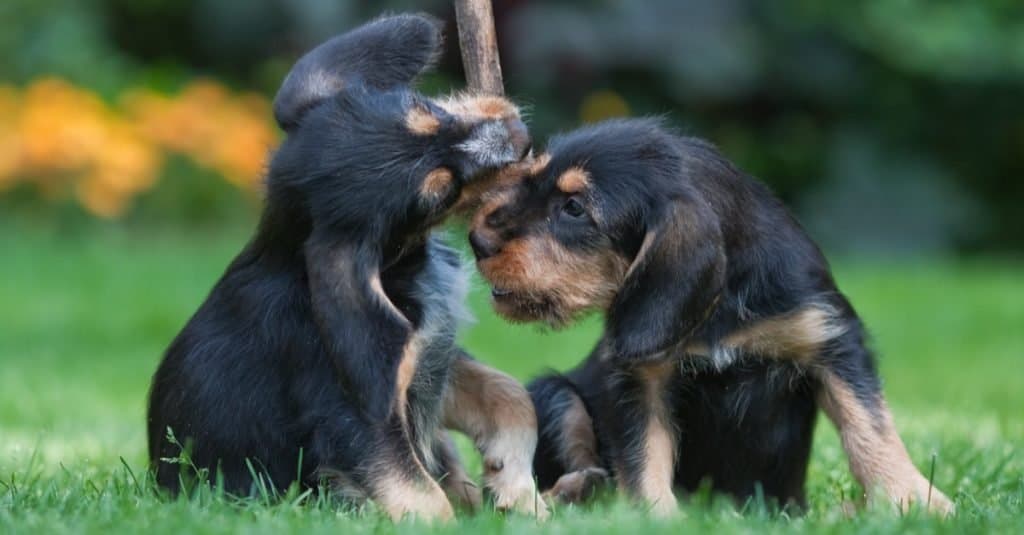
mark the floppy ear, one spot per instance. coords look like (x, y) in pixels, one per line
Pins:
(672, 285)
(387, 52)
(362, 331)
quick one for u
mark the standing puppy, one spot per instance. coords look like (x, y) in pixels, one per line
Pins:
(327, 348)
(724, 330)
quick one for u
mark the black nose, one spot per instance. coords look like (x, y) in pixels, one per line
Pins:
(482, 247)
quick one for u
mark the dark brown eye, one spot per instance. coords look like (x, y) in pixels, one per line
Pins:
(573, 208)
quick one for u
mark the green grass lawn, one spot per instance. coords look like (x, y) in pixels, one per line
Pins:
(85, 315)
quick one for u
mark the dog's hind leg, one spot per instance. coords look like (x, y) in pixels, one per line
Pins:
(851, 396)
(567, 464)
(496, 412)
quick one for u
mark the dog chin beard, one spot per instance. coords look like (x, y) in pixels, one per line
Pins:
(549, 313)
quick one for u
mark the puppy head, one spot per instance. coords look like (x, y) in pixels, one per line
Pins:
(613, 218)
(367, 154)
(398, 150)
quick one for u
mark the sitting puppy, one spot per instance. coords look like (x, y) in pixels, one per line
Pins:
(724, 330)
(328, 346)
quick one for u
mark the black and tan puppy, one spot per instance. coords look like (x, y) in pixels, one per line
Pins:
(724, 330)
(327, 348)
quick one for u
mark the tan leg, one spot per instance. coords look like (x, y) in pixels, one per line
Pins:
(393, 478)
(400, 496)
(659, 452)
(400, 483)
(878, 458)
(645, 458)
(496, 412)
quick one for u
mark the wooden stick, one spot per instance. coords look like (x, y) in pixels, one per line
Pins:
(479, 45)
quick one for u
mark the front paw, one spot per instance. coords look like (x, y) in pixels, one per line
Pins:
(922, 494)
(939, 503)
(578, 486)
(523, 499)
(463, 493)
(421, 508)
(515, 491)
(664, 507)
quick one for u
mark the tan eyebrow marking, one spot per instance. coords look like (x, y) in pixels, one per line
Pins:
(573, 180)
(436, 183)
(494, 107)
(421, 122)
(479, 106)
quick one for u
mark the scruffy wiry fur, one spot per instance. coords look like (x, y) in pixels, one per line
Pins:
(326, 347)
(724, 329)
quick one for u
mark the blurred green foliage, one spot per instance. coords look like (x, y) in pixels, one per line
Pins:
(889, 125)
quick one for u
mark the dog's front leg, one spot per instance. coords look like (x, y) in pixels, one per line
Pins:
(645, 454)
(399, 483)
(496, 412)
(375, 351)
(383, 468)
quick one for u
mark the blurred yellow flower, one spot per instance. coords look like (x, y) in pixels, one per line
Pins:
(62, 138)
(10, 148)
(229, 134)
(54, 123)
